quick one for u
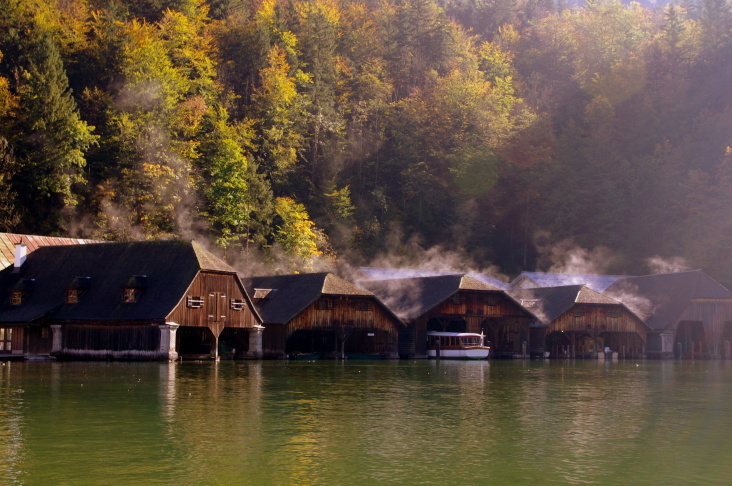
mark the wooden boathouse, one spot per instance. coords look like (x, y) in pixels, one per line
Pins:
(458, 303)
(581, 322)
(320, 314)
(134, 300)
(689, 314)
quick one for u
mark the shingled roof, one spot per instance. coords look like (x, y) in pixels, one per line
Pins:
(280, 298)
(32, 243)
(540, 279)
(169, 267)
(551, 302)
(660, 299)
(409, 298)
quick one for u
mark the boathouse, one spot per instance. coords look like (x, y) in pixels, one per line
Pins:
(689, 314)
(133, 300)
(581, 322)
(322, 315)
(458, 303)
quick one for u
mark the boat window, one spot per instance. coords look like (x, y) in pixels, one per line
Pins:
(471, 341)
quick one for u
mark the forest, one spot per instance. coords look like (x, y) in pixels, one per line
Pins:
(302, 133)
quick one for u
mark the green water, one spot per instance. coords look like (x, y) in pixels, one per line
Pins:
(335, 423)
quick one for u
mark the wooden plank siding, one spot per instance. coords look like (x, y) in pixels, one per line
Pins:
(714, 316)
(78, 338)
(478, 304)
(598, 318)
(217, 292)
(585, 329)
(333, 313)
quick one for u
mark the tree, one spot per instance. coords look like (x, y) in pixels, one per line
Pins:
(47, 135)
(297, 236)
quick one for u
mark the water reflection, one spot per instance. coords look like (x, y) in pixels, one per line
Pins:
(11, 427)
(350, 423)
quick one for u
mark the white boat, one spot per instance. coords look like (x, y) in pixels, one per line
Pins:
(456, 345)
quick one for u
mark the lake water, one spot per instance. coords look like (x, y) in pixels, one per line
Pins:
(367, 422)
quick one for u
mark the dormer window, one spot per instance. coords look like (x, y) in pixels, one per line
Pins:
(133, 288)
(263, 294)
(72, 296)
(129, 295)
(78, 286)
(20, 289)
(16, 297)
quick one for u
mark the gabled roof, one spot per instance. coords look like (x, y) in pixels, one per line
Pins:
(280, 298)
(599, 283)
(376, 273)
(551, 302)
(169, 267)
(32, 243)
(409, 298)
(660, 299)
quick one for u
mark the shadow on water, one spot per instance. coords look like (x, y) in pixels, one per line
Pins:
(426, 422)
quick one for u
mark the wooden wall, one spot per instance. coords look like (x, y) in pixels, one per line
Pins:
(598, 318)
(479, 304)
(105, 337)
(713, 314)
(217, 291)
(344, 311)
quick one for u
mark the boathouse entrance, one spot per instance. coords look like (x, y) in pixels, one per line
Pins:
(690, 337)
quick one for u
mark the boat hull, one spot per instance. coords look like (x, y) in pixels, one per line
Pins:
(475, 353)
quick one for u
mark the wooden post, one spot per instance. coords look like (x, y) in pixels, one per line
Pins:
(214, 347)
(437, 347)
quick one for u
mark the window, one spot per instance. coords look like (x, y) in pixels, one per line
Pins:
(72, 296)
(578, 312)
(16, 297)
(44, 333)
(6, 339)
(237, 304)
(364, 305)
(614, 312)
(456, 299)
(129, 296)
(194, 302)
